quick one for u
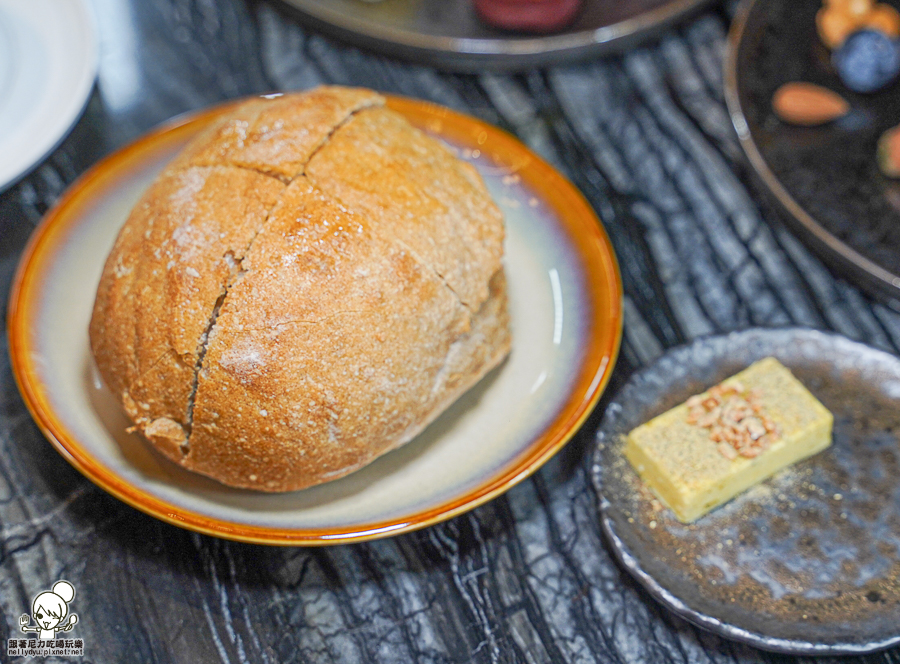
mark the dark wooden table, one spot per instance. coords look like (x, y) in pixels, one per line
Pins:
(525, 578)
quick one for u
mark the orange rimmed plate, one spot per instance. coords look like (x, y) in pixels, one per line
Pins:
(566, 310)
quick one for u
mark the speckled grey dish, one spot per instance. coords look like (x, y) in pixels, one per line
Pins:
(809, 560)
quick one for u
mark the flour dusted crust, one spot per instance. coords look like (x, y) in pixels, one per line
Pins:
(306, 287)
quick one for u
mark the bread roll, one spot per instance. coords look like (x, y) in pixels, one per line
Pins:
(305, 287)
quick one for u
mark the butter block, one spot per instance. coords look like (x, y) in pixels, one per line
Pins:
(706, 451)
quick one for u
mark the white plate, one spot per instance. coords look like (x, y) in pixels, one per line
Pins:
(48, 63)
(565, 305)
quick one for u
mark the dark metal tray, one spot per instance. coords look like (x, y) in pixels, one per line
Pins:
(448, 34)
(826, 179)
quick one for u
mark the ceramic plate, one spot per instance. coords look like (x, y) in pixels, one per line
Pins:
(448, 34)
(825, 178)
(565, 297)
(48, 62)
(809, 560)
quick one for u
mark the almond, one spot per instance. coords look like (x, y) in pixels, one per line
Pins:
(807, 104)
(889, 152)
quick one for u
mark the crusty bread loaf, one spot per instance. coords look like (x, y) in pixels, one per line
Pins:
(304, 288)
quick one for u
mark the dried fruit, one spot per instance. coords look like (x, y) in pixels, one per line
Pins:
(853, 8)
(838, 19)
(889, 152)
(834, 26)
(540, 16)
(867, 60)
(883, 18)
(807, 104)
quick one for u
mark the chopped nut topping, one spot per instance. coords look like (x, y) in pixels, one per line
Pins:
(727, 451)
(735, 420)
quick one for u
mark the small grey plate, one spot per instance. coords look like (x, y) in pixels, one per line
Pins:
(807, 562)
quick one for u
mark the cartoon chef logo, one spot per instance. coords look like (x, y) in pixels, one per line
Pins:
(49, 611)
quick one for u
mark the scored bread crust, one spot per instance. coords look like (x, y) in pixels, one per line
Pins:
(305, 287)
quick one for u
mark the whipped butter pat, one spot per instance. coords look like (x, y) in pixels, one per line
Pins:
(716, 445)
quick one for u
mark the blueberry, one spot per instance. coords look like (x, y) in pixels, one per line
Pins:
(867, 60)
